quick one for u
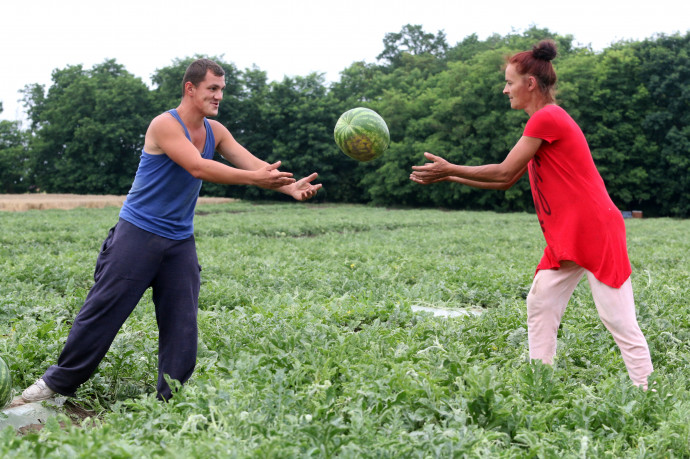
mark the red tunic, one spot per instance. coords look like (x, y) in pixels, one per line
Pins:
(579, 221)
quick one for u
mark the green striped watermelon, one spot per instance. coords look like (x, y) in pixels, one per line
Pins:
(5, 384)
(362, 134)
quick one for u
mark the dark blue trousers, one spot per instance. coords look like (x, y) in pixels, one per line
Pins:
(130, 261)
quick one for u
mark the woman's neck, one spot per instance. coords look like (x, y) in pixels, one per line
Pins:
(537, 105)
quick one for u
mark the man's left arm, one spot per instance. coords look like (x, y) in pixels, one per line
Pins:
(240, 157)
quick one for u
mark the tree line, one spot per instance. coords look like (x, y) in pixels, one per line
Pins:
(86, 130)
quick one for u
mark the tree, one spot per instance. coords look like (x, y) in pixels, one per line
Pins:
(631, 101)
(360, 83)
(302, 116)
(13, 157)
(412, 40)
(458, 113)
(664, 70)
(88, 129)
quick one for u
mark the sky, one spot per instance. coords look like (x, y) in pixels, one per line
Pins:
(285, 37)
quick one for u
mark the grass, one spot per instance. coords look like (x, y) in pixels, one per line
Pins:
(309, 347)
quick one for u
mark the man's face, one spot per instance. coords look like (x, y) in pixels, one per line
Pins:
(209, 93)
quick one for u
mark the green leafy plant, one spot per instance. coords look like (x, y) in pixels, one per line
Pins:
(309, 345)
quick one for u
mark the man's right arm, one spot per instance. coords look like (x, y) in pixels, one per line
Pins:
(165, 135)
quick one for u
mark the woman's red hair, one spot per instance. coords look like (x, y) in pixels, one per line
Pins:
(537, 63)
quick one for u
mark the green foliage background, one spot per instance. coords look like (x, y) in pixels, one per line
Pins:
(309, 346)
(631, 100)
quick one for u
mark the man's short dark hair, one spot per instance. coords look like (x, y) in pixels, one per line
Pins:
(196, 72)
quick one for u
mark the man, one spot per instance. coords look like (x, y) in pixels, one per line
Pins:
(152, 244)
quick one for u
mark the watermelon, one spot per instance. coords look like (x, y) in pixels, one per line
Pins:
(362, 134)
(5, 384)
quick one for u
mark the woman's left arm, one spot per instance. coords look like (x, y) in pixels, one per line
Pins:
(492, 176)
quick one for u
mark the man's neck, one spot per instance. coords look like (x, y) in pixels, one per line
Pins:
(191, 117)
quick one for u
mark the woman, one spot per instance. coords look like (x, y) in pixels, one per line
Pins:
(584, 231)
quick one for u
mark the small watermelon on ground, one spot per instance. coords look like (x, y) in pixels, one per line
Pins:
(5, 384)
(362, 134)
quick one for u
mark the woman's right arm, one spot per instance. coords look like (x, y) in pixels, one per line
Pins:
(488, 176)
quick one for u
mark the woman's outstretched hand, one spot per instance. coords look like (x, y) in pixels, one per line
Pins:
(437, 170)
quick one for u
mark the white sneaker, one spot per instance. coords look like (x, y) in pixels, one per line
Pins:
(37, 391)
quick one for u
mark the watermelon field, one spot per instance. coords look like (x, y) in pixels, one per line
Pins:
(311, 344)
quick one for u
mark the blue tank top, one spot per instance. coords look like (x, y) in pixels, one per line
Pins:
(163, 195)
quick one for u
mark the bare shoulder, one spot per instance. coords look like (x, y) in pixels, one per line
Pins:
(162, 126)
(220, 132)
(218, 128)
(162, 121)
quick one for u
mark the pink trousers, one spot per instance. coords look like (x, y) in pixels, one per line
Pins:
(546, 302)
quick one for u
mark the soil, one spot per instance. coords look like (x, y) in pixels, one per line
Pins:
(24, 202)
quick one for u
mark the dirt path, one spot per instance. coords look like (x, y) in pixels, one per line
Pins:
(24, 202)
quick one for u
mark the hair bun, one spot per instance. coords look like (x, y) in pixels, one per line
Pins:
(545, 50)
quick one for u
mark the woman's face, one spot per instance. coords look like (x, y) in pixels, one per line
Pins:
(517, 88)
